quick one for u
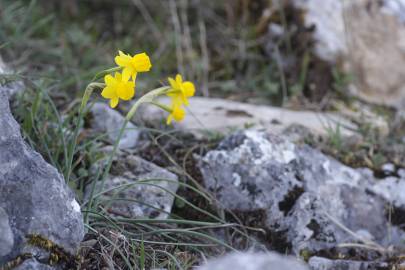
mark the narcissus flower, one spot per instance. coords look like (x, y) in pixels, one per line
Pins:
(118, 87)
(177, 112)
(181, 89)
(133, 64)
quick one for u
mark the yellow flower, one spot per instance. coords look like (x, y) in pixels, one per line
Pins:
(177, 111)
(181, 89)
(118, 87)
(133, 64)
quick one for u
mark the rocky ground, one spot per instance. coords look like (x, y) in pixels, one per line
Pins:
(290, 196)
(257, 186)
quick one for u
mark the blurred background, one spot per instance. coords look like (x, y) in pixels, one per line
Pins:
(259, 51)
(295, 53)
(345, 57)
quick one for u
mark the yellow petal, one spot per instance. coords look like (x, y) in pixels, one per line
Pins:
(141, 62)
(114, 102)
(109, 80)
(126, 73)
(178, 113)
(176, 101)
(179, 79)
(189, 89)
(118, 77)
(109, 92)
(126, 90)
(184, 100)
(173, 84)
(123, 60)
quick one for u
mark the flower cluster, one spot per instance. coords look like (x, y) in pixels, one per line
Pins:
(122, 85)
(179, 93)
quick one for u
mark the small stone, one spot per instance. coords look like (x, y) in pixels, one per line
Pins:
(146, 189)
(11, 88)
(254, 261)
(110, 121)
(318, 263)
(388, 168)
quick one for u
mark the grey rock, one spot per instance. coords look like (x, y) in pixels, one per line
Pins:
(254, 261)
(392, 190)
(33, 194)
(110, 121)
(318, 263)
(137, 188)
(6, 235)
(309, 198)
(32, 264)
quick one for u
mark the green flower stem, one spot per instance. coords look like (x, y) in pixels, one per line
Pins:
(101, 74)
(86, 96)
(147, 98)
(173, 91)
(162, 106)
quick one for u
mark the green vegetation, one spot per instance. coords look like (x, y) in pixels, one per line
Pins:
(56, 47)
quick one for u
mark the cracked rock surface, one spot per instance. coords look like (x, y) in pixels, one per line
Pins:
(34, 198)
(137, 188)
(309, 199)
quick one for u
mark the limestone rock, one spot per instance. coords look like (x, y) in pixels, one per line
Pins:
(392, 190)
(213, 114)
(329, 34)
(34, 198)
(367, 37)
(309, 198)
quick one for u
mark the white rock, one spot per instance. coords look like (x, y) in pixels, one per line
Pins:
(326, 15)
(11, 88)
(391, 189)
(254, 261)
(368, 38)
(213, 114)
